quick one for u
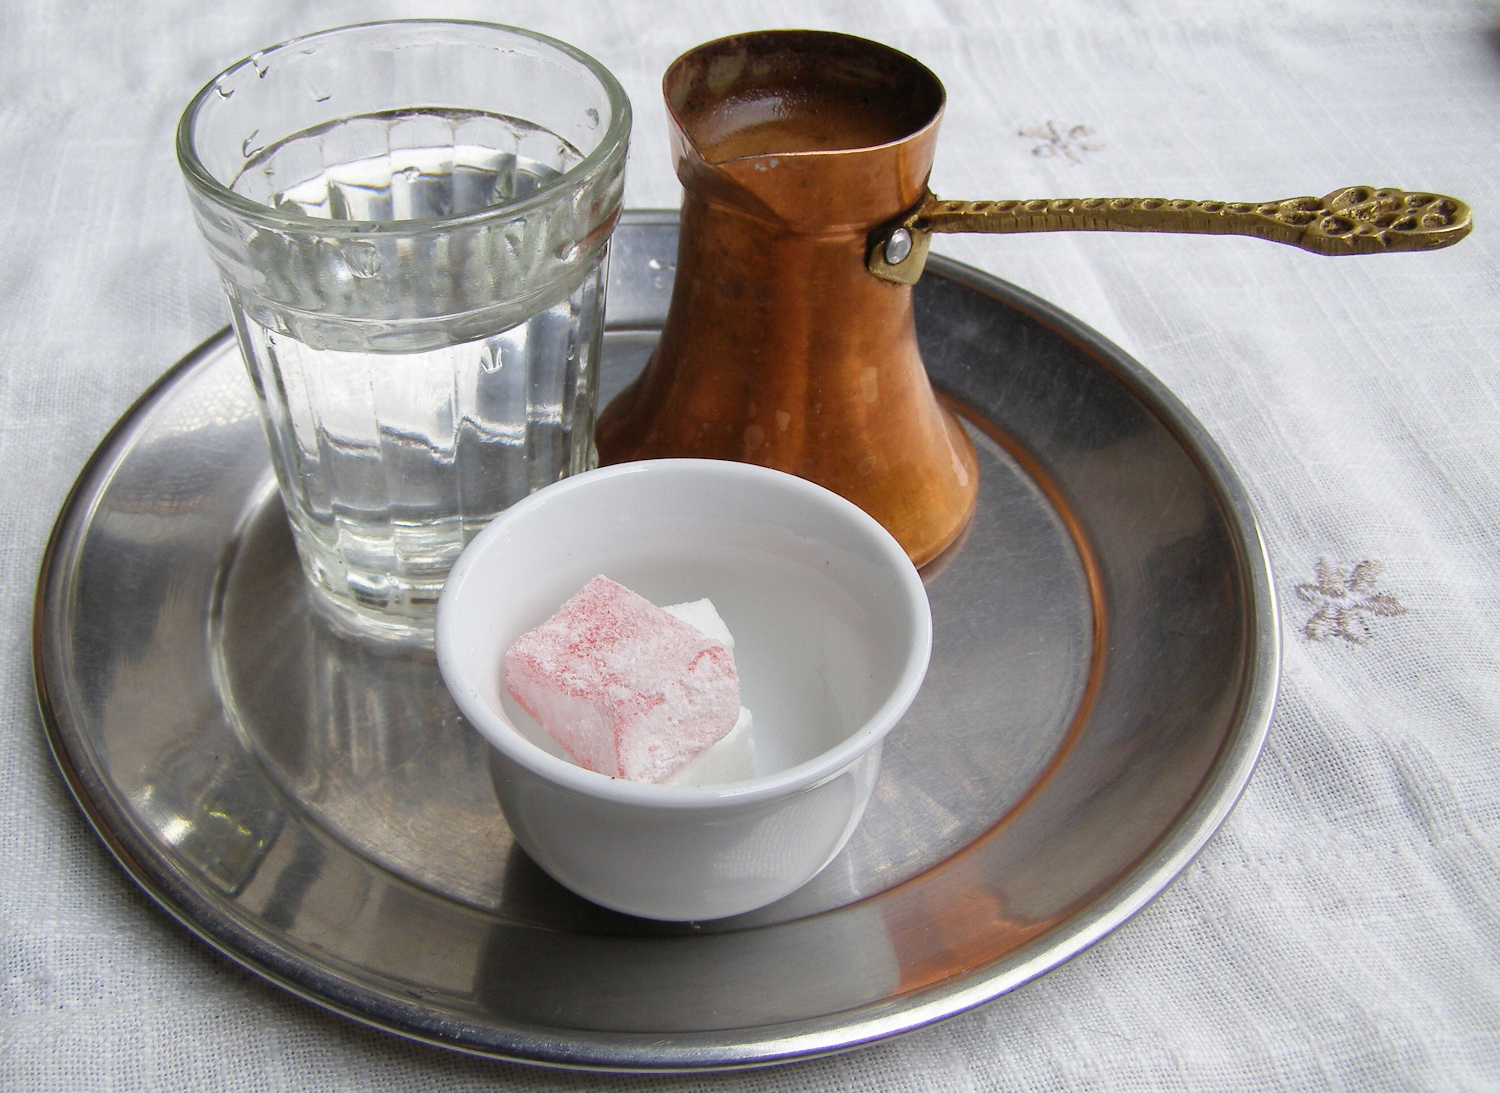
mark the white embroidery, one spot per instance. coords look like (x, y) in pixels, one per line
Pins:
(1056, 142)
(1345, 599)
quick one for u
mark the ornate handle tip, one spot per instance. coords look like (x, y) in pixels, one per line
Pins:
(1364, 220)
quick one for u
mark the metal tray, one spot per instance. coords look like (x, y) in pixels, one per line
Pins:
(1103, 675)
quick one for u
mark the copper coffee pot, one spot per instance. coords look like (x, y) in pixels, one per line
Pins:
(791, 341)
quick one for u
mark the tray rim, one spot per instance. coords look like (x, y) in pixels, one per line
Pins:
(752, 1046)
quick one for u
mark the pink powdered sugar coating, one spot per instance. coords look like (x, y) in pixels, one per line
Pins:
(627, 689)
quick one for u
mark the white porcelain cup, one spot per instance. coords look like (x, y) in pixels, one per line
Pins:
(832, 637)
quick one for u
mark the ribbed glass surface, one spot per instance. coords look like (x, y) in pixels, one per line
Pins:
(390, 462)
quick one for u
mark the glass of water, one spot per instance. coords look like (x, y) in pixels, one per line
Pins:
(412, 223)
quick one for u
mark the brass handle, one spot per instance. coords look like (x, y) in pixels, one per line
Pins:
(1354, 220)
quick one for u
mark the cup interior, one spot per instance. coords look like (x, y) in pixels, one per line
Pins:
(791, 91)
(829, 618)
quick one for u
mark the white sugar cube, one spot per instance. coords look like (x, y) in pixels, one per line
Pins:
(701, 616)
(730, 759)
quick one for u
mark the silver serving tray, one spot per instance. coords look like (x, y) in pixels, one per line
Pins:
(1103, 674)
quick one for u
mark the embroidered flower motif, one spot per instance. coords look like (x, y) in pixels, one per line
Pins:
(1055, 142)
(1345, 600)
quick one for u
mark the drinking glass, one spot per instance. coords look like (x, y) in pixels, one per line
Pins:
(412, 222)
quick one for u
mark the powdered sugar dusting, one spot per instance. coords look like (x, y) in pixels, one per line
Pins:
(624, 687)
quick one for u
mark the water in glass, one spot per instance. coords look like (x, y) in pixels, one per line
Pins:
(390, 461)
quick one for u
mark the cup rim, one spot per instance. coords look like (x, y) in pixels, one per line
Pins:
(674, 72)
(611, 144)
(509, 740)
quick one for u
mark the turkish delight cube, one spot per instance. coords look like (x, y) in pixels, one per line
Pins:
(624, 688)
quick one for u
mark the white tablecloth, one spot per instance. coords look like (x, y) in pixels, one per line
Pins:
(1342, 931)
